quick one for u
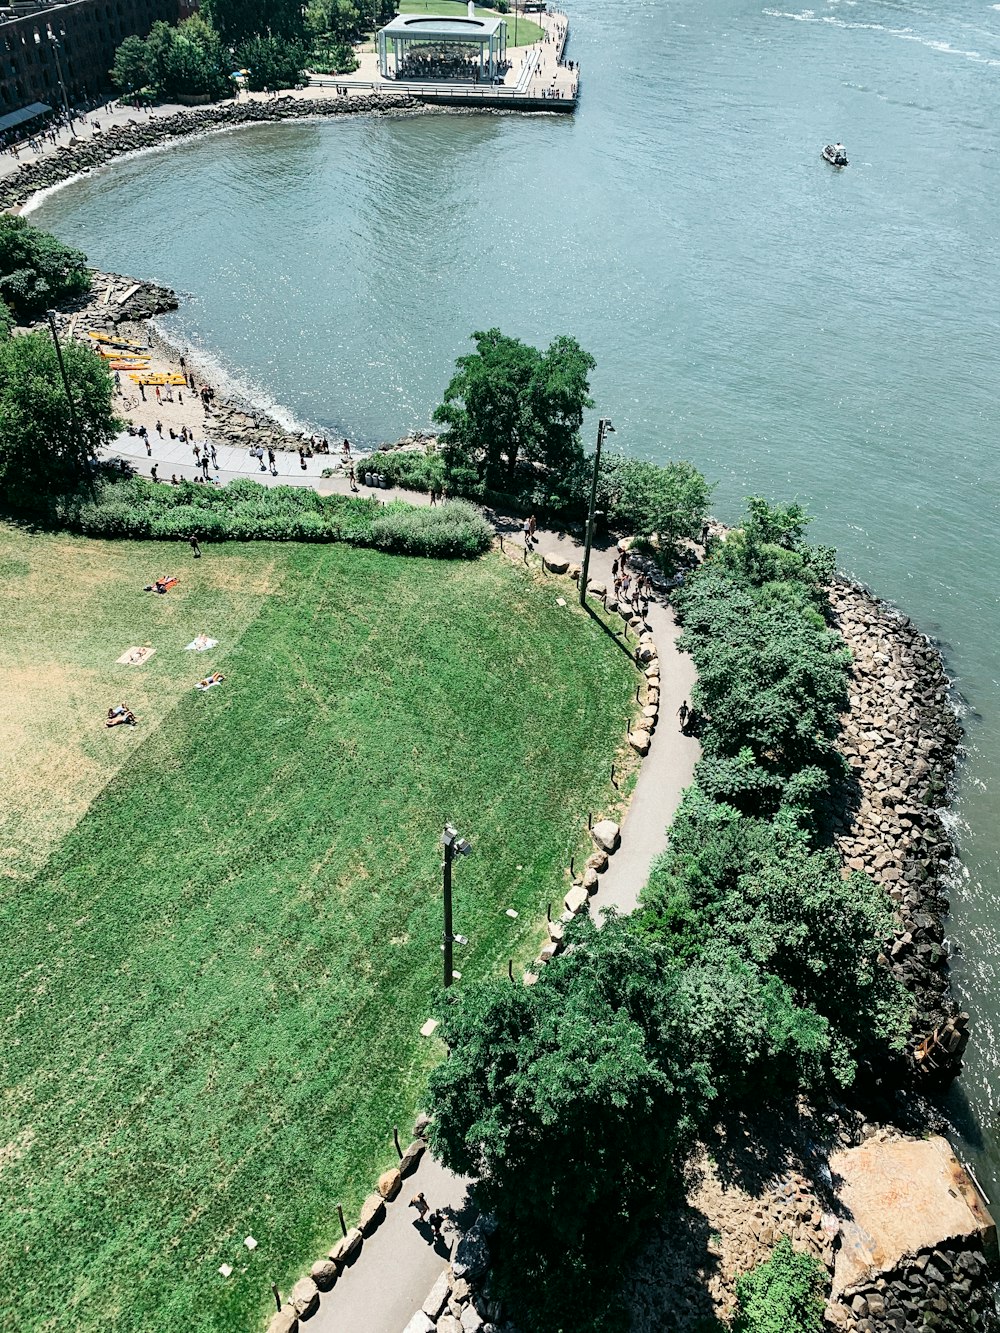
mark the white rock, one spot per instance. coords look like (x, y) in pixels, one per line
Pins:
(606, 834)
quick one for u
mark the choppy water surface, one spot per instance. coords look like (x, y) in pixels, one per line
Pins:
(791, 329)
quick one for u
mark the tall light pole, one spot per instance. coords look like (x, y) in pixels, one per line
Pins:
(62, 83)
(65, 378)
(453, 846)
(604, 427)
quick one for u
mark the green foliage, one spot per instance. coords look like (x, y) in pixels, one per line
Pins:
(42, 453)
(337, 22)
(6, 321)
(37, 271)
(455, 529)
(413, 470)
(568, 1101)
(671, 501)
(782, 1295)
(769, 547)
(237, 20)
(772, 677)
(246, 511)
(511, 402)
(242, 931)
(184, 61)
(273, 62)
(332, 58)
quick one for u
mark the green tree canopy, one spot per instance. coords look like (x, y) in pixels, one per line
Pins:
(6, 321)
(236, 20)
(37, 271)
(782, 1295)
(671, 501)
(40, 452)
(273, 62)
(186, 61)
(510, 402)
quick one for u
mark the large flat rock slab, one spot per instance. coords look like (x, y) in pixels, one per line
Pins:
(898, 1197)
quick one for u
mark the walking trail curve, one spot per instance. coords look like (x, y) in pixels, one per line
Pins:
(398, 1265)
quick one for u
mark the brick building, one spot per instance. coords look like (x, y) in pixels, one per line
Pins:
(81, 36)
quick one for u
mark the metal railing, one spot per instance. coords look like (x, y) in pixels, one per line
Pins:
(474, 93)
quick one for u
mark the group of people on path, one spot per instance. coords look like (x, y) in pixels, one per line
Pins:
(636, 589)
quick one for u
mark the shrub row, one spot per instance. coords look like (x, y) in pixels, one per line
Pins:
(246, 511)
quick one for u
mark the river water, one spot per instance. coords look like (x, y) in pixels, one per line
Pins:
(791, 329)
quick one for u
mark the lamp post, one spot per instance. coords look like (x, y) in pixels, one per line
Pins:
(65, 378)
(604, 427)
(453, 846)
(62, 83)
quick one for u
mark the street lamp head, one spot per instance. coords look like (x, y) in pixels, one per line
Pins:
(608, 428)
(449, 835)
(463, 847)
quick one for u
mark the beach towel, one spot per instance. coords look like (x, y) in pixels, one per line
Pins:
(201, 644)
(135, 656)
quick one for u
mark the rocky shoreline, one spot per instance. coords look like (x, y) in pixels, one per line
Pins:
(122, 140)
(901, 740)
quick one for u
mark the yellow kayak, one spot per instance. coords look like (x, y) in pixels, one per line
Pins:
(115, 342)
(150, 379)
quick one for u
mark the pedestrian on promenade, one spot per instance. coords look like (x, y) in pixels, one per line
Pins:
(433, 496)
(526, 529)
(142, 391)
(532, 527)
(159, 429)
(149, 448)
(174, 479)
(204, 465)
(195, 547)
(152, 473)
(684, 713)
(196, 450)
(353, 480)
(420, 1203)
(272, 462)
(215, 460)
(434, 1221)
(158, 393)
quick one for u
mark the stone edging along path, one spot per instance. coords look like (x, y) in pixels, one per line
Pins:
(88, 155)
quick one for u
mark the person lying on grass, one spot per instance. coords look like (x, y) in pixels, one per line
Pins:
(216, 678)
(119, 715)
(163, 584)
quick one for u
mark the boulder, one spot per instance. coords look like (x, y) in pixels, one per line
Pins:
(598, 861)
(639, 741)
(324, 1273)
(589, 881)
(389, 1183)
(548, 951)
(472, 1320)
(574, 571)
(304, 1298)
(410, 1158)
(420, 1125)
(437, 1297)
(448, 1324)
(606, 834)
(471, 1258)
(651, 712)
(346, 1249)
(577, 899)
(556, 930)
(420, 1324)
(646, 653)
(558, 564)
(597, 589)
(285, 1321)
(372, 1214)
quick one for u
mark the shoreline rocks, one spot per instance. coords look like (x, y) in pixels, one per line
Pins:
(901, 739)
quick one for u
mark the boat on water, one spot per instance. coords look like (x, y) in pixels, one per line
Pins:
(835, 154)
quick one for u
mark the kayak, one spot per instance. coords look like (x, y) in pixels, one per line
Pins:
(115, 342)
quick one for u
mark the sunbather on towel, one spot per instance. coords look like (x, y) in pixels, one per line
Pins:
(216, 678)
(163, 584)
(120, 715)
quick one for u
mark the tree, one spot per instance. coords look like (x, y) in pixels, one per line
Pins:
(41, 454)
(130, 72)
(36, 270)
(568, 1100)
(781, 1295)
(237, 20)
(272, 63)
(6, 321)
(769, 547)
(670, 501)
(509, 402)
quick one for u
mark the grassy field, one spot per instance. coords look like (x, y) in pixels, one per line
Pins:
(528, 32)
(222, 929)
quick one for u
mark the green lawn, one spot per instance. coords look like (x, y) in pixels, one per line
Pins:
(528, 32)
(212, 986)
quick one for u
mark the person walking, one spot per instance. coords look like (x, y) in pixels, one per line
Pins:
(532, 528)
(196, 450)
(433, 496)
(684, 713)
(159, 429)
(434, 1221)
(195, 546)
(215, 460)
(142, 391)
(420, 1203)
(152, 473)
(149, 447)
(272, 462)
(526, 529)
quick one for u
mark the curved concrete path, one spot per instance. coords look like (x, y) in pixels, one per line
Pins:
(398, 1265)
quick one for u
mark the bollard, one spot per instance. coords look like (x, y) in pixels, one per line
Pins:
(613, 782)
(340, 1214)
(637, 694)
(572, 869)
(525, 555)
(548, 911)
(590, 820)
(277, 1296)
(500, 535)
(395, 1139)
(510, 968)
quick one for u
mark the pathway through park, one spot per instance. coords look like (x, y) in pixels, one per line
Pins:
(398, 1265)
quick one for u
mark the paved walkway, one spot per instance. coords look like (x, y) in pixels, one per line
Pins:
(398, 1265)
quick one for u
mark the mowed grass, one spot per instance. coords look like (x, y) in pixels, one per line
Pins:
(212, 990)
(527, 31)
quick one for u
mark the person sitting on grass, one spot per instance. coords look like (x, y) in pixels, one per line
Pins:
(120, 715)
(163, 584)
(215, 678)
